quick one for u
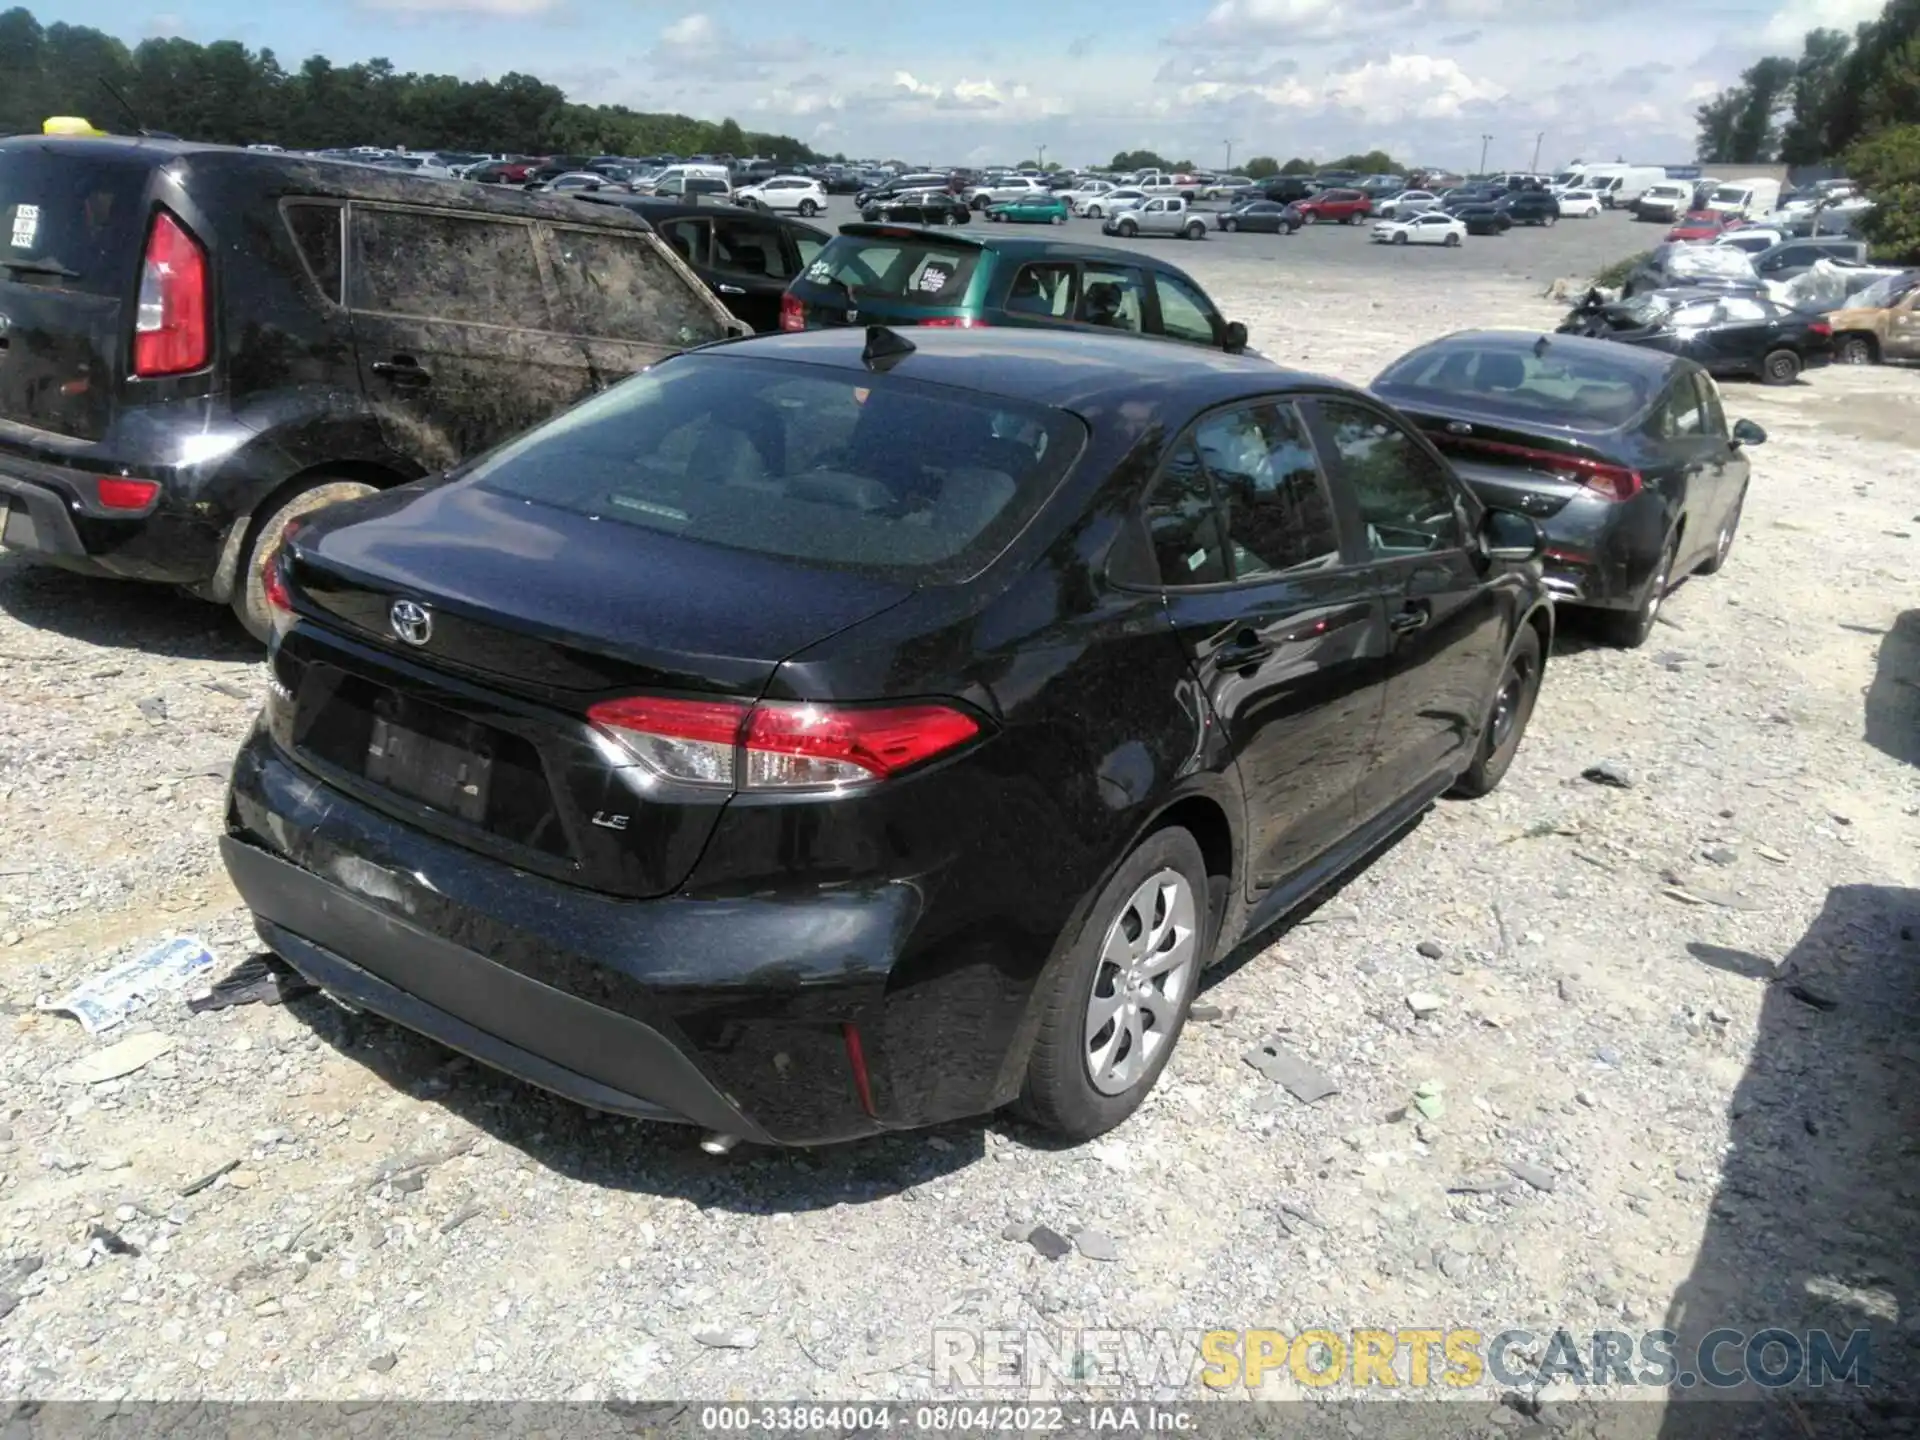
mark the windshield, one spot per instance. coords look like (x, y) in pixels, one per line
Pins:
(1728, 195)
(1580, 390)
(855, 470)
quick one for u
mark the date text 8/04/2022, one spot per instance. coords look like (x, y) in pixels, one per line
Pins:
(958, 1418)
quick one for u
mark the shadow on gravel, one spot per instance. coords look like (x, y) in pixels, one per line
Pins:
(1893, 700)
(1814, 1224)
(121, 614)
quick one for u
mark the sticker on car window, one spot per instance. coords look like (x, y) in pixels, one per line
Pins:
(934, 279)
(26, 225)
(1196, 559)
(819, 271)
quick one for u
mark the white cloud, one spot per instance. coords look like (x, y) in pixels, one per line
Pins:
(1422, 87)
(1792, 21)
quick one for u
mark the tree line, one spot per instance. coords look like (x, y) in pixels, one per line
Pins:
(1851, 100)
(1265, 167)
(224, 93)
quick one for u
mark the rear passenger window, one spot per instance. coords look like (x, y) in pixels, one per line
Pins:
(619, 287)
(1189, 541)
(1051, 290)
(1113, 297)
(316, 230)
(688, 239)
(1680, 413)
(1278, 514)
(447, 267)
(748, 249)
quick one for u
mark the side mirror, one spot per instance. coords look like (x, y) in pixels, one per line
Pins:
(1745, 432)
(1510, 537)
(1236, 340)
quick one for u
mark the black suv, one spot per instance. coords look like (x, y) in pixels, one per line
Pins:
(1530, 207)
(198, 344)
(746, 257)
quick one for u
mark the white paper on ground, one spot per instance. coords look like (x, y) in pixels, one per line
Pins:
(102, 1002)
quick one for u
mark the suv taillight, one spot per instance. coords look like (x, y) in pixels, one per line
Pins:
(171, 333)
(730, 744)
(793, 314)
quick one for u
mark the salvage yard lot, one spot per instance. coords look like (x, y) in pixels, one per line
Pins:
(1685, 1008)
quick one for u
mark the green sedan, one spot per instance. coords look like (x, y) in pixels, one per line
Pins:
(1033, 209)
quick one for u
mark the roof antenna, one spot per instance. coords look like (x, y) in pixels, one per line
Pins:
(132, 115)
(1540, 348)
(885, 348)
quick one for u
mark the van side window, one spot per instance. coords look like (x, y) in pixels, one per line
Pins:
(618, 288)
(316, 230)
(439, 266)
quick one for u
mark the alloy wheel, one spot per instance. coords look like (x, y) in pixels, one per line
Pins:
(1147, 964)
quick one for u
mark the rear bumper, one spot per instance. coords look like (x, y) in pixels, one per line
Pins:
(729, 1013)
(52, 511)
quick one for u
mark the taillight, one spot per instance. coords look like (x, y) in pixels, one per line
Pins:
(273, 579)
(1820, 328)
(793, 315)
(1611, 482)
(171, 331)
(955, 322)
(731, 744)
(118, 494)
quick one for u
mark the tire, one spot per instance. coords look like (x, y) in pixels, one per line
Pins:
(1196, 231)
(1128, 229)
(1507, 719)
(1400, 239)
(1228, 224)
(808, 209)
(1093, 212)
(1057, 220)
(1723, 543)
(1452, 241)
(1629, 629)
(1061, 1093)
(1310, 218)
(978, 203)
(1780, 367)
(249, 593)
(1856, 350)
(960, 217)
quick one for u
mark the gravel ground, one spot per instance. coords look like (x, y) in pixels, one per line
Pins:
(1670, 1023)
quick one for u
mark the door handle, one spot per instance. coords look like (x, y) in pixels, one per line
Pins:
(726, 289)
(1413, 618)
(402, 370)
(1245, 649)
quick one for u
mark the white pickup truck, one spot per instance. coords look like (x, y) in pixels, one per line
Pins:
(1165, 182)
(1162, 215)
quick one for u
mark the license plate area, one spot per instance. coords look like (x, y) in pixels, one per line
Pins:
(431, 756)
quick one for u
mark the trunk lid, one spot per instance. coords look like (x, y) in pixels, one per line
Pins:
(72, 228)
(479, 732)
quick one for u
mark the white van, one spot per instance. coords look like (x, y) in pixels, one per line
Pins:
(1627, 183)
(1753, 196)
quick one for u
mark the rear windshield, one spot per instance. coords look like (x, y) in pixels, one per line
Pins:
(914, 268)
(1580, 391)
(867, 472)
(68, 221)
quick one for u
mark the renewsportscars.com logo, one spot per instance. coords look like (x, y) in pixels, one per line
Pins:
(974, 1361)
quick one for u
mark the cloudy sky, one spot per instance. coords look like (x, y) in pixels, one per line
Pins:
(997, 79)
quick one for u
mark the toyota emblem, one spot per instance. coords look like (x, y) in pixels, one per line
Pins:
(411, 621)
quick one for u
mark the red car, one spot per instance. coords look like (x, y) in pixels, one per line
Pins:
(1699, 225)
(1349, 207)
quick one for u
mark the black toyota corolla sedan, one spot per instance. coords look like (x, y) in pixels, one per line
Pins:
(852, 730)
(1623, 455)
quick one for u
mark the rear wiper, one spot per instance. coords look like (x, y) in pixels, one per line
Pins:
(40, 267)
